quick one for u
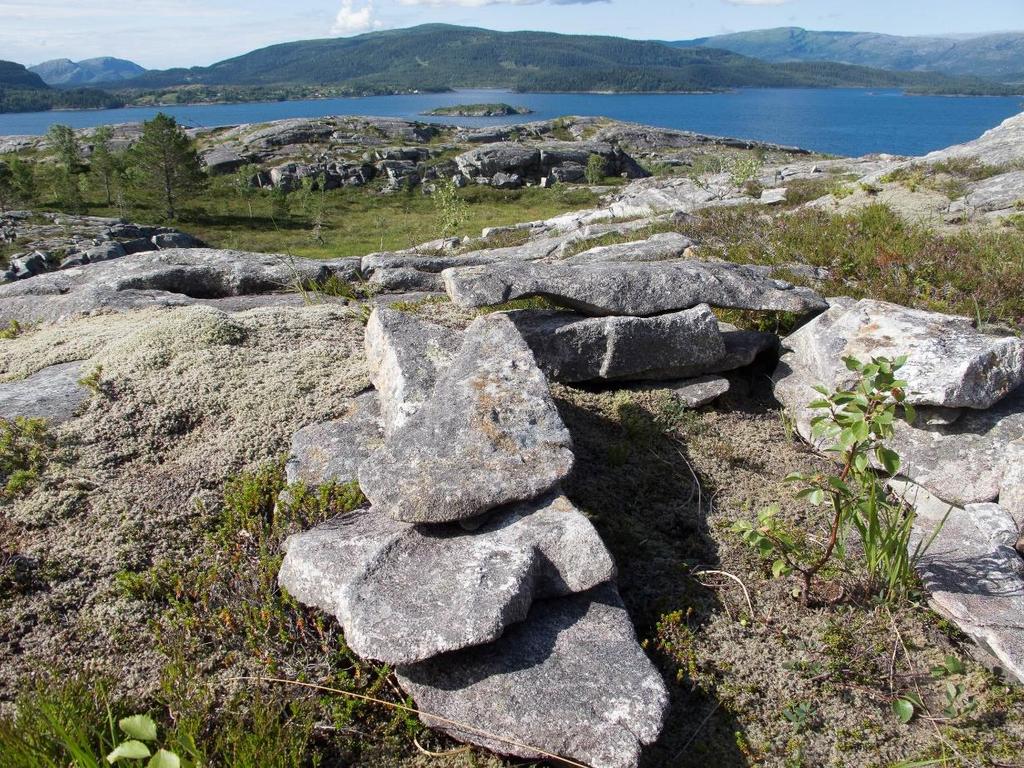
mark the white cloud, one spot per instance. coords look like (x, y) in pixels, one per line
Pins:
(351, 20)
(481, 3)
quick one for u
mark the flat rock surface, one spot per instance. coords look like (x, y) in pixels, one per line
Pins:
(174, 277)
(640, 290)
(53, 394)
(949, 363)
(663, 247)
(331, 452)
(406, 355)
(570, 680)
(972, 572)
(406, 593)
(489, 435)
(570, 347)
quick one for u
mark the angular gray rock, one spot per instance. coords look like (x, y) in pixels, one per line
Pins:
(405, 593)
(693, 393)
(53, 394)
(489, 435)
(950, 363)
(404, 279)
(571, 680)
(1011, 489)
(571, 348)
(638, 290)
(972, 572)
(332, 451)
(998, 193)
(405, 356)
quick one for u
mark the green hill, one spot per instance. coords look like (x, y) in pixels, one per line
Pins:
(439, 57)
(995, 56)
(24, 91)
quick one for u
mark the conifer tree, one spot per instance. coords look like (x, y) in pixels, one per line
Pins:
(166, 167)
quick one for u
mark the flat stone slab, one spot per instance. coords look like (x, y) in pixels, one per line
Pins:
(405, 593)
(174, 277)
(693, 393)
(405, 356)
(489, 435)
(662, 247)
(404, 279)
(571, 348)
(638, 290)
(950, 363)
(972, 572)
(53, 394)
(571, 680)
(331, 452)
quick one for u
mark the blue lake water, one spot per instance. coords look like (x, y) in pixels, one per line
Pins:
(838, 121)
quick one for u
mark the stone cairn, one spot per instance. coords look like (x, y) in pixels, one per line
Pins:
(471, 572)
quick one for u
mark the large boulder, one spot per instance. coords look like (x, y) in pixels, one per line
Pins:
(331, 452)
(502, 157)
(949, 363)
(53, 394)
(638, 290)
(489, 435)
(405, 593)
(998, 193)
(570, 347)
(571, 680)
(405, 356)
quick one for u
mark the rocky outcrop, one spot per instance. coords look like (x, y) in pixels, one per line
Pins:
(405, 593)
(630, 289)
(562, 161)
(61, 241)
(1003, 145)
(175, 277)
(490, 421)
(957, 448)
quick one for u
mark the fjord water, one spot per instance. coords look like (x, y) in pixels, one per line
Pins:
(841, 121)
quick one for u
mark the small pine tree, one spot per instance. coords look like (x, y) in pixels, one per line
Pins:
(595, 169)
(166, 167)
(103, 162)
(68, 150)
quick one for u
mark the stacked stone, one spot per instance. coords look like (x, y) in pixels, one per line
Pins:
(471, 572)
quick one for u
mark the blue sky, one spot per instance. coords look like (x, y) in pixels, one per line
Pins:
(166, 33)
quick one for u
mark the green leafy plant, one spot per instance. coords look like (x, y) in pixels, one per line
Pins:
(141, 732)
(595, 171)
(452, 210)
(801, 714)
(853, 424)
(744, 169)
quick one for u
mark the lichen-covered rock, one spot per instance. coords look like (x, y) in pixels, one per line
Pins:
(569, 347)
(949, 362)
(405, 355)
(53, 394)
(663, 247)
(331, 451)
(489, 435)
(405, 593)
(571, 680)
(638, 290)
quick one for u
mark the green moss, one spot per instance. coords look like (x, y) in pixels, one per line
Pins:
(25, 449)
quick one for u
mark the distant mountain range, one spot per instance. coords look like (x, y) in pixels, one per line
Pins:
(436, 57)
(105, 69)
(997, 56)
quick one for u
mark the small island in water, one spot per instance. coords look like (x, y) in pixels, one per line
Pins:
(479, 110)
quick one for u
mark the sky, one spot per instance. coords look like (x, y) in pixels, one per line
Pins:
(169, 33)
